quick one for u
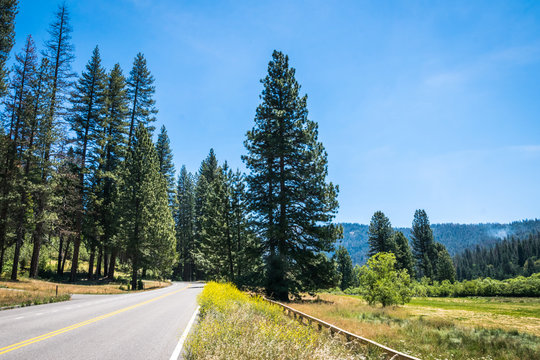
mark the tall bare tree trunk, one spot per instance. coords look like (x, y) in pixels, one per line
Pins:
(112, 265)
(91, 263)
(98, 265)
(60, 246)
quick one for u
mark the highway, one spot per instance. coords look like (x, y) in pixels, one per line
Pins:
(144, 325)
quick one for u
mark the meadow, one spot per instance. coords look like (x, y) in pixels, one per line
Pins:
(27, 291)
(439, 328)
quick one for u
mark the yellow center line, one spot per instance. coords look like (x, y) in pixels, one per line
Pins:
(51, 334)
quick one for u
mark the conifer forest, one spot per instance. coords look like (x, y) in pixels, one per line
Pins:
(168, 190)
(89, 188)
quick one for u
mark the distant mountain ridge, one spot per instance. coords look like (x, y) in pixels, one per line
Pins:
(456, 237)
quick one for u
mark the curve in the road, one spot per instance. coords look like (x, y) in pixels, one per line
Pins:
(48, 335)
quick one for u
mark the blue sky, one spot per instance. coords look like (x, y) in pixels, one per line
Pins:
(420, 104)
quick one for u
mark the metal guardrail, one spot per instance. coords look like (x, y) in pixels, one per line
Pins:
(395, 355)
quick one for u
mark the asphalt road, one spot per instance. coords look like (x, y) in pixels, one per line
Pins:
(145, 325)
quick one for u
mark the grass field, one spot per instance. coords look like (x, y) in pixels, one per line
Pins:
(31, 291)
(441, 328)
(236, 326)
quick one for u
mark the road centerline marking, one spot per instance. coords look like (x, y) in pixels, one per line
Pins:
(51, 334)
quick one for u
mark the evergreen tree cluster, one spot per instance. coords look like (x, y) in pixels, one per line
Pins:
(82, 181)
(509, 258)
(423, 258)
(72, 180)
(216, 240)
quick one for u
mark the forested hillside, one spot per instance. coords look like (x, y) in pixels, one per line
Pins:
(506, 259)
(456, 237)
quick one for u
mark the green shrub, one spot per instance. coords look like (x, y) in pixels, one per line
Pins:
(382, 283)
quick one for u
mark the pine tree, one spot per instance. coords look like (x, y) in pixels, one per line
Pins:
(3, 222)
(292, 202)
(444, 267)
(65, 183)
(344, 266)
(8, 12)
(211, 250)
(404, 258)
(185, 225)
(140, 92)
(247, 259)
(423, 244)
(58, 54)
(166, 165)
(147, 226)
(20, 110)
(111, 152)
(88, 109)
(380, 234)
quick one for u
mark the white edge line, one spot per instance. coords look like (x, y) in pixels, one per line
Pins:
(176, 353)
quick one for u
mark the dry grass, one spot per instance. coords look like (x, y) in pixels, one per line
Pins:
(32, 291)
(235, 326)
(432, 332)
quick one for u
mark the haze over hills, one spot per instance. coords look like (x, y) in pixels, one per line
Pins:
(456, 237)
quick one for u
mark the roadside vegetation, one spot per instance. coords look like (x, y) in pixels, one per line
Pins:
(234, 325)
(447, 328)
(27, 291)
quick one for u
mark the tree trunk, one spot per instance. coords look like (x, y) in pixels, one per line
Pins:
(112, 265)
(75, 257)
(34, 264)
(65, 256)
(2, 252)
(91, 263)
(3, 230)
(105, 263)
(134, 275)
(16, 256)
(98, 265)
(60, 246)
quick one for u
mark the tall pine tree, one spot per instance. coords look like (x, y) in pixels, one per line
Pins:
(185, 225)
(58, 54)
(293, 203)
(8, 12)
(211, 249)
(20, 110)
(140, 93)
(380, 234)
(423, 245)
(88, 110)
(147, 226)
(112, 153)
(166, 165)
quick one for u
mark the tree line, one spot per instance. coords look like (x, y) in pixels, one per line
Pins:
(509, 258)
(423, 258)
(455, 237)
(81, 176)
(79, 167)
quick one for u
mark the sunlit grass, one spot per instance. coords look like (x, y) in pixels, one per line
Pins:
(236, 326)
(453, 331)
(31, 291)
